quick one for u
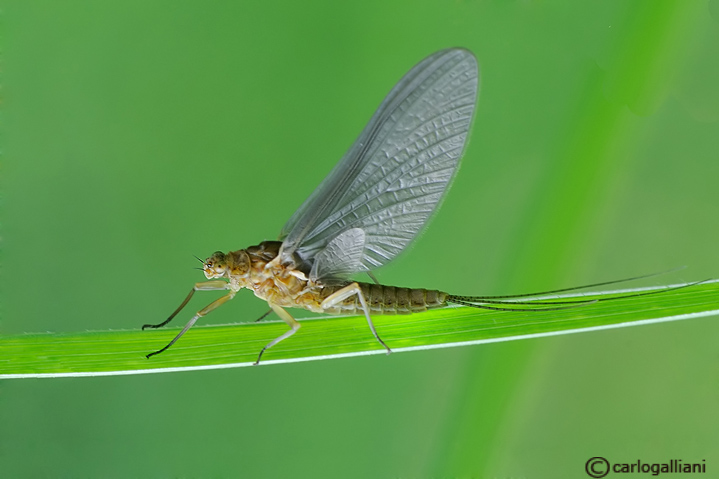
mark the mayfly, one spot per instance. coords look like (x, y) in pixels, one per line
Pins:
(366, 211)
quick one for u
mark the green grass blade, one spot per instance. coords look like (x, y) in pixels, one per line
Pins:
(214, 347)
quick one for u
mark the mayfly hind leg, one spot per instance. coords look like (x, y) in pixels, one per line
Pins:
(204, 286)
(287, 318)
(346, 292)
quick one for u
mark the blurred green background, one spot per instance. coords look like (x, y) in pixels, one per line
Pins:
(140, 133)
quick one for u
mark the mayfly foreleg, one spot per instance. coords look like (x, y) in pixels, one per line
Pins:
(287, 318)
(346, 292)
(213, 305)
(203, 286)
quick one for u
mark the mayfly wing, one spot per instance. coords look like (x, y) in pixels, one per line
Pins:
(341, 258)
(396, 173)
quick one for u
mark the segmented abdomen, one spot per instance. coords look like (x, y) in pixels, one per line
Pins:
(387, 300)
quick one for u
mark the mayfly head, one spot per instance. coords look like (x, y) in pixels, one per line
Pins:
(215, 266)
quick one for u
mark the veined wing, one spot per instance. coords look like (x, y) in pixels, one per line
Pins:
(396, 173)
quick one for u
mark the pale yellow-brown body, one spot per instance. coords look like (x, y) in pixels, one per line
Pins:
(258, 268)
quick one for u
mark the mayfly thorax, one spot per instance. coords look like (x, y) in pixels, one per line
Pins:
(366, 211)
